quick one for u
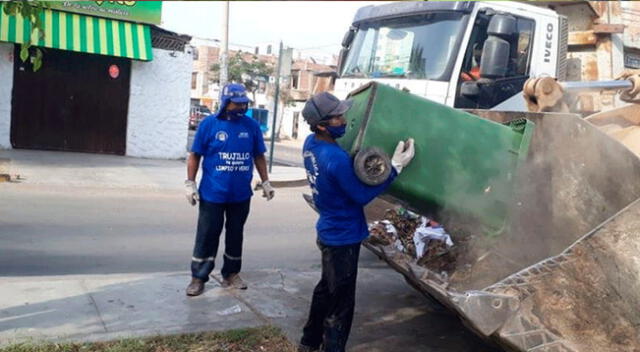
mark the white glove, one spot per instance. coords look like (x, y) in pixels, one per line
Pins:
(267, 190)
(191, 190)
(403, 155)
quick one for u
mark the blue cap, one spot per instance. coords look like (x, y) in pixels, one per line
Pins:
(234, 92)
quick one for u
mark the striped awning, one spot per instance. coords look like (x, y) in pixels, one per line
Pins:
(81, 33)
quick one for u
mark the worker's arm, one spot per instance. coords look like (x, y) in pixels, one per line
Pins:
(193, 164)
(261, 162)
(355, 189)
(261, 165)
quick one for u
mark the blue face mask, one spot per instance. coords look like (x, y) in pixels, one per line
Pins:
(236, 113)
(337, 131)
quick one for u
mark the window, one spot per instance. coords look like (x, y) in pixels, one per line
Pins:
(295, 79)
(520, 53)
(522, 56)
(294, 130)
(417, 47)
(269, 49)
(194, 80)
(505, 74)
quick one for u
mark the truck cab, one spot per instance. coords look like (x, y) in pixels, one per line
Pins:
(461, 54)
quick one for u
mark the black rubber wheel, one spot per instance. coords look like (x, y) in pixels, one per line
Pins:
(372, 166)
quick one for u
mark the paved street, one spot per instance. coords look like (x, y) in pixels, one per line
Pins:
(113, 217)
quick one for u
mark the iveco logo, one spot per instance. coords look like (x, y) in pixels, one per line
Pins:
(548, 43)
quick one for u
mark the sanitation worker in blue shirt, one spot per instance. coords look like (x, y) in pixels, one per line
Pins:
(230, 143)
(339, 197)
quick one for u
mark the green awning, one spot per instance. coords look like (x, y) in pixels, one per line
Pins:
(81, 33)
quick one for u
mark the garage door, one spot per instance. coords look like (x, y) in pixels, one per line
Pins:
(75, 102)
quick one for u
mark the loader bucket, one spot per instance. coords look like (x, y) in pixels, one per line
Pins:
(563, 273)
(622, 124)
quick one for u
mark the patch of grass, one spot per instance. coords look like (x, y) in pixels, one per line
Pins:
(262, 339)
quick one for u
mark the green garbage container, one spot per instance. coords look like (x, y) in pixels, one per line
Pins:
(464, 164)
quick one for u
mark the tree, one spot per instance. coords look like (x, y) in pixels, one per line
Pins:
(31, 11)
(246, 69)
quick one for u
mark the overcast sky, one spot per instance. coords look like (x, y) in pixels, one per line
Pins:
(299, 24)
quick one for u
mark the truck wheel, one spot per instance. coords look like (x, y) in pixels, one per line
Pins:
(372, 166)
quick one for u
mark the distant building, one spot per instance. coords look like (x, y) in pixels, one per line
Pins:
(308, 76)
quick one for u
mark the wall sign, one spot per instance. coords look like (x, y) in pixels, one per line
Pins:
(133, 11)
(632, 60)
(114, 71)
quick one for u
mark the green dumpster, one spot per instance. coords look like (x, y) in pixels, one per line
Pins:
(464, 165)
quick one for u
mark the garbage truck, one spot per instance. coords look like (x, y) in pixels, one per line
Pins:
(478, 54)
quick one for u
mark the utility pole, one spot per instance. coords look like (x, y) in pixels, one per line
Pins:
(275, 108)
(224, 55)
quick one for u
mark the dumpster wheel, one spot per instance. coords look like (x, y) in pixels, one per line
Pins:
(372, 166)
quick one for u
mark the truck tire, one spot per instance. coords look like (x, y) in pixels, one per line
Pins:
(372, 166)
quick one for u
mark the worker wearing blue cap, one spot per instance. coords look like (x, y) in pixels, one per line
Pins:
(339, 196)
(230, 143)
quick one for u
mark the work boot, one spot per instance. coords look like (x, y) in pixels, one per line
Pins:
(234, 281)
(195, 288)
(305, 348)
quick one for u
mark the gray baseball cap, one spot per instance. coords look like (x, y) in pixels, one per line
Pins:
(323, 106)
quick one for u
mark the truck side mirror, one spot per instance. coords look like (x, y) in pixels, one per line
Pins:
(341, 58)
(470, 89)
(502, 26)
(348, 37)
(495, 58)
(496, 52)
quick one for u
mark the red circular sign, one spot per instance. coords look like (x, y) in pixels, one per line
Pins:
(114, 71)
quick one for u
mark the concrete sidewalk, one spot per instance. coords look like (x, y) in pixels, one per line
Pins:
(110, 171)
(105, 307)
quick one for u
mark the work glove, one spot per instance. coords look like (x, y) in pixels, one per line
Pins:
(267, 190)
(403, 155)
(191, 192)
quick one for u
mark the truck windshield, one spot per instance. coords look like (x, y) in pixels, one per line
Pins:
(416, 47)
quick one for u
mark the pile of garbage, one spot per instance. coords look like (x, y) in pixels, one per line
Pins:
(424, 240)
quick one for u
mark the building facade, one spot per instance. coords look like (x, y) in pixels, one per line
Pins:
(111, 82)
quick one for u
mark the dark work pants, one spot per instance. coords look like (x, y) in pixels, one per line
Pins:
(211, 218)
(334, 298)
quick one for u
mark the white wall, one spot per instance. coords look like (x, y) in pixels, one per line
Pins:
(159, 106)
(6, 86)
(287, 122)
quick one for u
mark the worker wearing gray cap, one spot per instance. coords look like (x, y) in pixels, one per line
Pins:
(339, 197)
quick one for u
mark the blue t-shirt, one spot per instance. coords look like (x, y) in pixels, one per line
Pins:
(228, 148)
(338, 194)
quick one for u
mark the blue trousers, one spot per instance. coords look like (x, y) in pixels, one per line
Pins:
(211, 219)
(334, 299)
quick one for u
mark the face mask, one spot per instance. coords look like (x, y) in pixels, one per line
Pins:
(337, 131)
(236, 113)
